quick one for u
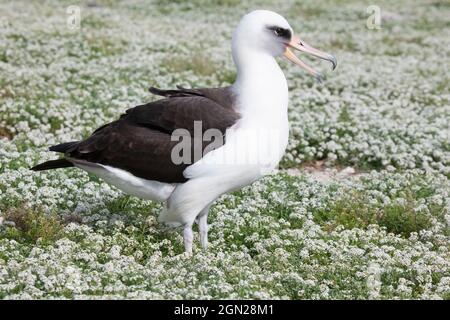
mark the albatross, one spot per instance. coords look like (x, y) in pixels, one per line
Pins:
(149, 151)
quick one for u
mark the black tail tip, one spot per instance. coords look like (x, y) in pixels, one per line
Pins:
(52, 164)
(63, 147)
(40, 167)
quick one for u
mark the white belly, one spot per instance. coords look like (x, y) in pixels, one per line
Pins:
(130, 184)
(243, 159)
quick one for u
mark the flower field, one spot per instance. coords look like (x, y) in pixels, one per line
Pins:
(359, 208)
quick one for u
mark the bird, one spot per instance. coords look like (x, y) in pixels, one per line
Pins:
(193, 145)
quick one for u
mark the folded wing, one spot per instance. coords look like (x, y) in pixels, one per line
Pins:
(140, 141)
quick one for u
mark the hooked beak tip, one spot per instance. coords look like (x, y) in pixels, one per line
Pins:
(333, 61)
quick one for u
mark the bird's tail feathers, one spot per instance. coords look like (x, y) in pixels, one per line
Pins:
(53, 164)
(63, 147)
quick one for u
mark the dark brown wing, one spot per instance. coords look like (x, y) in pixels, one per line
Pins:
(222, 96)
(213, 107)
(140, 141)
(142, 151)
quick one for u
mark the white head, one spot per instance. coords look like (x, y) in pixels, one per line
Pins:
(266, 32)
(258, 29)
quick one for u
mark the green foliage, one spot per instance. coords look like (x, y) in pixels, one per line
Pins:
(198, 62)
(32, 226)
(357, 210)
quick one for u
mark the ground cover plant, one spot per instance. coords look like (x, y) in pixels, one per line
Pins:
(359, 208)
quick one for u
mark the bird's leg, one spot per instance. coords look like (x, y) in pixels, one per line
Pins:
(188, 237)
(202, 220)
(203, 230)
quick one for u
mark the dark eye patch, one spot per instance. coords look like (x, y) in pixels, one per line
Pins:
(281, 32)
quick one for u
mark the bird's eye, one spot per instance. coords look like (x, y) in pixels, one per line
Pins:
(279, 32)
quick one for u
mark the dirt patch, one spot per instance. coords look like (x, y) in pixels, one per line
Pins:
(324, 174)
(5, 133)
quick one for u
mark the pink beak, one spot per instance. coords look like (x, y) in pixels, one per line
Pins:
(300, 45)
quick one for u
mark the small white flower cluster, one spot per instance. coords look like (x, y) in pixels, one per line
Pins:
(385, 108)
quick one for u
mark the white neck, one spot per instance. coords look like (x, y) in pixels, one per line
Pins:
(260, 85)
(262, 96)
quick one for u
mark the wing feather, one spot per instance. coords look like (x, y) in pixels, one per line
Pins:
(140, 140)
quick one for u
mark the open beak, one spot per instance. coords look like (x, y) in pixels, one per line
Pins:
(300, 45)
